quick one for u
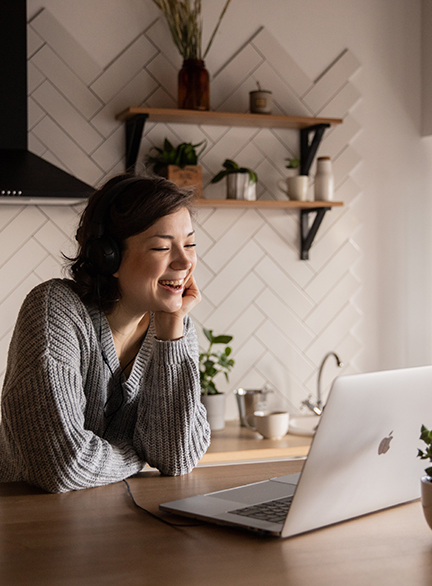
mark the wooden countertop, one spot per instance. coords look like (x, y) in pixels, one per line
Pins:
(239, 444)
(96, 537)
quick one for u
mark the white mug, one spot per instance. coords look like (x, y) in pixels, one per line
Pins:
(295, 187)
(270, 424)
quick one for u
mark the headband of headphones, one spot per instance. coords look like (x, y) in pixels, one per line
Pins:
(102, 250)
(100, 213)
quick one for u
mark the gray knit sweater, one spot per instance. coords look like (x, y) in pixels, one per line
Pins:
(71, 421)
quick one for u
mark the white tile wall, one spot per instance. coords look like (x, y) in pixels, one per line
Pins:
(284, 314)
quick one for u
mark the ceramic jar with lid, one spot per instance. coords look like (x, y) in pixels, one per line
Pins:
(324, 180)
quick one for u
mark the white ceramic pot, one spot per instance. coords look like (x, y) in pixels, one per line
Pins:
(239, 187)
(215, 405)
(426, 498)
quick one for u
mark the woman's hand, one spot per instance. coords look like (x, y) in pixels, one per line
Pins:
(169, 326)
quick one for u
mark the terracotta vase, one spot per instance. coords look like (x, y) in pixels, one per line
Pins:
(193, 86)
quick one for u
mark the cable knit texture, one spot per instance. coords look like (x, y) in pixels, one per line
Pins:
(71, 421)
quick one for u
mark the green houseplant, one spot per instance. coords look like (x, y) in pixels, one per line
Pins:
(426, 437)
(241, 181)
(213, 363)
(185, 25)
(293, 163)
(182, 155)
(426, 481)
(179, 164)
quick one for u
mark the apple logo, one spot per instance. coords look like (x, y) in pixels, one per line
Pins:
(385, 444)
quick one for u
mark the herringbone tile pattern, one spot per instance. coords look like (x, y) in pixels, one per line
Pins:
(284, 314)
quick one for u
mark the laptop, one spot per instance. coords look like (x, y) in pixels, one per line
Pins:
(363, 458)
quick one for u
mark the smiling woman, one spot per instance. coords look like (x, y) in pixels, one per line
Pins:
(102, 371)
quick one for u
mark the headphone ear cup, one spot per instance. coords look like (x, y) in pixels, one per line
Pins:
(104, 255)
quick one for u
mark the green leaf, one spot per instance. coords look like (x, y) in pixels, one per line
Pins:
(230, 165)
(253, 177)
(211, 389)
(425, 435)
(204, 143)
(222, 339)
(293, 163)
(208, 334)
(219, 176)
(168, 147)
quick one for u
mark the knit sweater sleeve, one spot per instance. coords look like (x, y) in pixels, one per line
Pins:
(172, 432)
(43, 428)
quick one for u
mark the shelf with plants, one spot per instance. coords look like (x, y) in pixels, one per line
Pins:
(225, 118)
(136, 117)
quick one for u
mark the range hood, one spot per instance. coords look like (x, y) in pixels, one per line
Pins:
(24, 177)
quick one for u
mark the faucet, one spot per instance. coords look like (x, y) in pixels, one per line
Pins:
(317, 408)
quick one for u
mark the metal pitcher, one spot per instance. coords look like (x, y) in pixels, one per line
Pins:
(249, 401)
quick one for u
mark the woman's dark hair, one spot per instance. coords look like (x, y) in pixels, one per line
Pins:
(137, 207)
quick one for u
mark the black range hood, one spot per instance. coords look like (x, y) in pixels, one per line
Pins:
(24, 177)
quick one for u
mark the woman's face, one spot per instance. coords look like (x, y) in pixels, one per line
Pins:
(156, 265)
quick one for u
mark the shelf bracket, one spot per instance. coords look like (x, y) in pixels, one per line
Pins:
(308, 149)
(134, 132)
(307, 234)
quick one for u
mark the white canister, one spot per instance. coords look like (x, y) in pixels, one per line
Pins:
(324, 180)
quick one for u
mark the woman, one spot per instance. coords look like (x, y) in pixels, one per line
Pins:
(102, 372)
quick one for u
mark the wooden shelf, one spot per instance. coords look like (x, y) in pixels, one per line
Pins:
(225, 118)
(136, 117)
(279, 204)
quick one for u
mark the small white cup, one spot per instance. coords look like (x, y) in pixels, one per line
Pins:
(296, 187)
(270, 424)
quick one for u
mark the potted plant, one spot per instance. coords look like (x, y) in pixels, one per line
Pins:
(293, 163)
(426, 481)
(295, 186)
(179, 164)
(241, 181)
(213, 363)
(185, 24)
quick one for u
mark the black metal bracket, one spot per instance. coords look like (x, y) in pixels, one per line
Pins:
(308, 149)
(134, 132)
(307, 234)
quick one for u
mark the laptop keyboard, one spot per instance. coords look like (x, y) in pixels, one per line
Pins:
(272, 511)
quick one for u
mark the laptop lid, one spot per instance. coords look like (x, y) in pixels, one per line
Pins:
(362, 458)
(363, 455)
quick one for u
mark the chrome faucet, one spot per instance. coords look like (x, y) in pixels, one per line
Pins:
(317, 408)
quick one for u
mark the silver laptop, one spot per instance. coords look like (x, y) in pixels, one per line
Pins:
(363, 458)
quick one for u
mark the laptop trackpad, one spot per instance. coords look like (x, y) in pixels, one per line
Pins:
(256, 493)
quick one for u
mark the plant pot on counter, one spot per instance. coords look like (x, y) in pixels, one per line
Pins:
(215, 405)
(426, 498)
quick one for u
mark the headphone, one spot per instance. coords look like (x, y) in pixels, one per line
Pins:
(102, 251)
